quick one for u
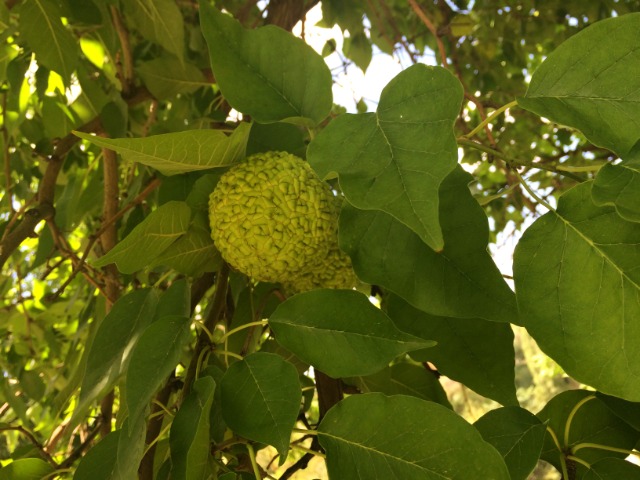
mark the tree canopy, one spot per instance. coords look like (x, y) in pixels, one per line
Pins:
(132, 348)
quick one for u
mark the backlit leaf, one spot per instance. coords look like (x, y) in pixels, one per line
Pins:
(578, 290)
(404, 438)
(340, 332)
(180, 152)
(26, 469)
(266, 73)
(394, 160)
(619, 186)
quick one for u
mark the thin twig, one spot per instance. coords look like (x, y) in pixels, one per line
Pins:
(5, 153)
(123, 35)
(36, 443)
(429, 24)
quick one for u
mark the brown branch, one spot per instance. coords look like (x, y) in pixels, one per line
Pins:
(154, 427)
(123, 35)
(5, 153)
(79, 451)
(434, 31)
(36, 443)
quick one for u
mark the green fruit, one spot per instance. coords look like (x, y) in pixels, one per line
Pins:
(333, 271)
(272, 217)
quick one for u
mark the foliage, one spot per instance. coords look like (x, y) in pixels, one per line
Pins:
(130, 347)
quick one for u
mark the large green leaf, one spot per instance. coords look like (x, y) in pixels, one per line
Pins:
(627, 411)
(189, 436)
(619, 186)
(340, 332)
(175, 300)
(159, 21)
(165, 77)
(149, 239)
(261, 399)
(588, 421)
(394, 160)
(180, 152)
(113, 341)
(517, 434)
(26, 469)
(578, 284)
(404, 438)
(154, 356)
(403, 379)
(592, 82)
(461, 281)
(266, 73)
(472, 351)
(612, 469)
(54, 45)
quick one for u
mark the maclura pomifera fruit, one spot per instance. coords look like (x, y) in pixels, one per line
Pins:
(272, 218)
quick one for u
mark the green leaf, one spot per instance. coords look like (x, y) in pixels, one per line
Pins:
(403, 379)
(340, 332)
(153, 358)
(592, 83)
(627, 411)
(58, 119)
(175, 300)
(517, 434)
(189, 436)
(404, 438)
(55, 47)
(113, 341)
(192, 254)
(472, 351)
(26, 469)
(612, 469)
(149, 239)
(7, 53)
(358, 48)
(578, 286)
(619, 186)
(261, 400)
(175, 153)
(257, 78)
(592, 422)
(279, 137)
(394, 160)
(159, 21)
(116, 457)
(461, 281)
(165, 77)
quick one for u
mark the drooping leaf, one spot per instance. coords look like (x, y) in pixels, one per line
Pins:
(26, 469)
(612, 469)
(461, 281)
(159, 21)
(619, 186)
(591, 83)
(358, 48)
(258, 78)
(403, 379)
(403, 438)
(180, 152)
(261, 399)
(517, 434)
(591, 423)
(154, 356)
(54, 45)
(117, 456)
(114, 338)
(394, 160)
(578, 286)
(165, 77)
(149, 239)
(472, 351)
(189, 436)
(340, 332)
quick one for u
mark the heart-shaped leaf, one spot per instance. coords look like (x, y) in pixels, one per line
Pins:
(579, 83)
(261, 399)
(517, 434)
(394, 160)
(578, 288)
(404, 438)
(180, 152)
(267, 72)
(461, 281)
(340, 332)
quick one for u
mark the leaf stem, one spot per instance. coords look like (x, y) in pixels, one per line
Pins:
(563, 465)
(532, 193)
(554, 437)
(607, 448)
(573, 458)
(572, 414)
(242, 327)
(227, 353)
(254, 463)
(585, 168)
(307, 450)
(305, 431)
(490, 118)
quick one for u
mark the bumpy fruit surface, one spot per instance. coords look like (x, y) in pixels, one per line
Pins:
(334, 271)
(272, 217)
